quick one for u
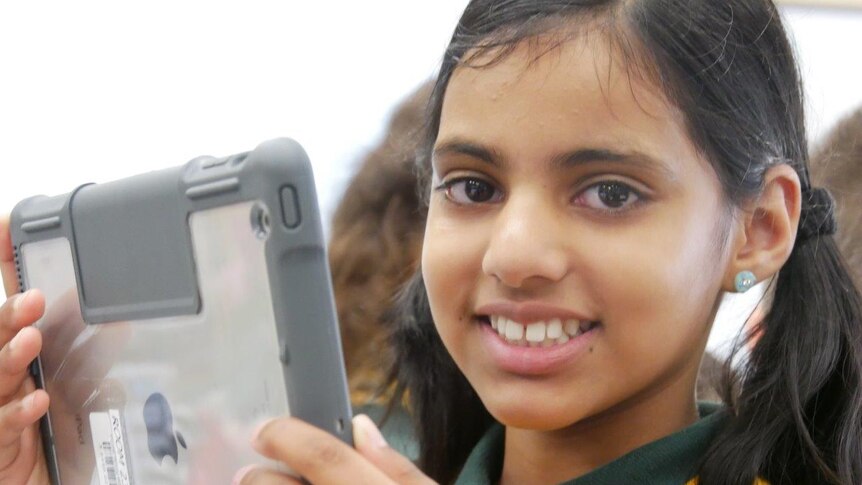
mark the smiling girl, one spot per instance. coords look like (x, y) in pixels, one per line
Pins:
(599, 174)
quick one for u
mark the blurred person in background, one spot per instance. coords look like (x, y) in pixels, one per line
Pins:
(374, 248)
(836, 163)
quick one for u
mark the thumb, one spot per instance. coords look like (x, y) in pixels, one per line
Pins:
(369, 442)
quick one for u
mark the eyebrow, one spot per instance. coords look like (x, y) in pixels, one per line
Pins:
(460, 147)
(562, 161)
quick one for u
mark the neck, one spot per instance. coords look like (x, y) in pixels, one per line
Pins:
(555, 456)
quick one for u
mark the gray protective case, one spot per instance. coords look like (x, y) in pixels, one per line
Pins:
(184, 307)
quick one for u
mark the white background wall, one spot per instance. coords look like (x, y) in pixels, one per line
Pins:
(95, 90)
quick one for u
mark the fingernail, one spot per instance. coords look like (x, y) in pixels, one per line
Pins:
(367, 432)
(14, 342)
(255, 435)
(27, 402)
(19, 302)
(237, 478)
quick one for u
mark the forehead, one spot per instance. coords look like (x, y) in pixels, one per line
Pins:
(579, 92)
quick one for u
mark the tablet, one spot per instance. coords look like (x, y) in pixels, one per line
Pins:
(184, 307)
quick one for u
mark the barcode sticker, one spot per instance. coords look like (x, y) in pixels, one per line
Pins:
(110, 448)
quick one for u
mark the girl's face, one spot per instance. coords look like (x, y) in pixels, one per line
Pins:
(573, 253)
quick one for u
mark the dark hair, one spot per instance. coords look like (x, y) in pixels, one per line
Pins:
(728, 67)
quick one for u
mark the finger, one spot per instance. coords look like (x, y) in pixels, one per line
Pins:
(20, 311)
(370, 443)
(315, 454)
(258, 475)
(15, 358)
(111, 391)
(89, 359)
(7, 263)
(62, 323)
(15, 418)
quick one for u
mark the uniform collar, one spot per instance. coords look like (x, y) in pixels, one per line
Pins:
(669, 460)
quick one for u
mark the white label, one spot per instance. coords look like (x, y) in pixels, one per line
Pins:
(110, 448)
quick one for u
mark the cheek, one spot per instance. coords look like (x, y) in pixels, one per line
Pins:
(661, 288)
(451, 267)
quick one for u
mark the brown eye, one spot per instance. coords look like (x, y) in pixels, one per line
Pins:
(608, 196)
(614, 195)
(478, 191)
(471, 190)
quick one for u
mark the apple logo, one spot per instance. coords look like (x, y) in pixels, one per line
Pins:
(161, 438)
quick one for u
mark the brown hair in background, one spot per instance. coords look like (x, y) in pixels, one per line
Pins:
(836, 164)
(375, 245)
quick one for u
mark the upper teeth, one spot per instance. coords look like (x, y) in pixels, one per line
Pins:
(544, 333)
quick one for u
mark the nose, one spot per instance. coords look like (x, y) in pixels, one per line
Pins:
(527, 245)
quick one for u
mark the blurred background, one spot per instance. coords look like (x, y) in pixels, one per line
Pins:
(95, 90)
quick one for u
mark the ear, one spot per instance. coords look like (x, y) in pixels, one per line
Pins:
(768, 227)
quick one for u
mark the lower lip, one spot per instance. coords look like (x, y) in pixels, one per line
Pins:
(535, 361)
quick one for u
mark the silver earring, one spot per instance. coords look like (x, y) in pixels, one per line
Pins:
(744, 281)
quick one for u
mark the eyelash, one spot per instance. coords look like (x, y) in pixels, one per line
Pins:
(447, 186)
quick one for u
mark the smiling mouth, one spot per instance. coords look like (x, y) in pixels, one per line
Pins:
(547, 333)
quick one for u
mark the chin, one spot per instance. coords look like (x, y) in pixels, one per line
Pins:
(533, 415)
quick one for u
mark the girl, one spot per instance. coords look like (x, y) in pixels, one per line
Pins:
(600, 173)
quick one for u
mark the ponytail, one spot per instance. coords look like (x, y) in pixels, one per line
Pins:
(798, 417)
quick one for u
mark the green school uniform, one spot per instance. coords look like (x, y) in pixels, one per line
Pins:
(671, 460)
(397, 429)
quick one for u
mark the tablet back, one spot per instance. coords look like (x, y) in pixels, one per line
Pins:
(185, 307)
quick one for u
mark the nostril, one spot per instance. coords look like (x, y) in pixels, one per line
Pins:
(526, 240)
(516, 266)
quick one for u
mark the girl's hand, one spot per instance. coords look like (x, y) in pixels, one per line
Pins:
(322, 458)
(21, 404)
